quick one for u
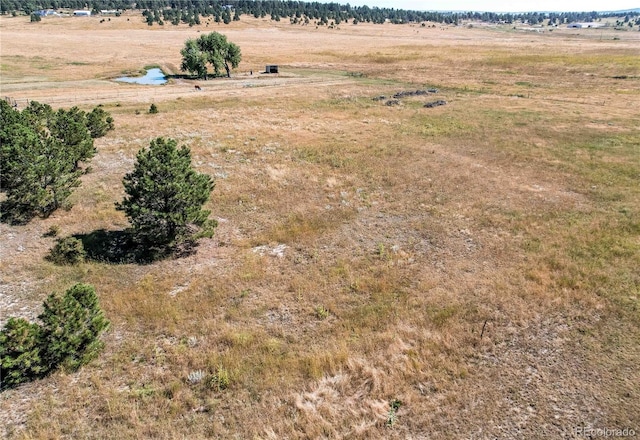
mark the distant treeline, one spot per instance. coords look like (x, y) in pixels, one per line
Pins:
(225, 11)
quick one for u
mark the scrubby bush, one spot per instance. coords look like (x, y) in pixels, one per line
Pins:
(68, 250)
(53, 231)
(153, 109)
(220, 380)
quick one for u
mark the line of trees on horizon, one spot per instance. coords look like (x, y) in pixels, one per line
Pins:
(225, 11)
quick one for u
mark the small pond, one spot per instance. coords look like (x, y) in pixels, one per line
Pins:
(152, 77)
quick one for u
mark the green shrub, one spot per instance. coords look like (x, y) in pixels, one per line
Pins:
(68, 250)
(153, 109)
(322, 312)
(220, 380)
(53, 231)
(394, 405)
(41, 152)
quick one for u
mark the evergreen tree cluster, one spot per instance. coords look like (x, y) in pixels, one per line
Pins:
(29, 6)
(40, 155)
(226, 11)
(68, 337)
(297, 12)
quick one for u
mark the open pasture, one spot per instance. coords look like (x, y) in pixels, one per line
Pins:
(379, 271)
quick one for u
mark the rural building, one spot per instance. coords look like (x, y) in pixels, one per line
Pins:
(45, 12)
(82, 13)
(271, 68)
(584, 25)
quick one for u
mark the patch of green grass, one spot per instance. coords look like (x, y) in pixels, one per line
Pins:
(381, 299)
(331, 158)
(431, 125)
(610, 163)
(440, 315)
(508, 59)
(392, 58)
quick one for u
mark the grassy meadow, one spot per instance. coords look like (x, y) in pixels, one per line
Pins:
(379, 271)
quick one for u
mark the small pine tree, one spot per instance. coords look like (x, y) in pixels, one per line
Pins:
(165, 197)
(20, 350)
(71, 325)
(68, 337)
(99, 122)
(69, 128)
(68, 250)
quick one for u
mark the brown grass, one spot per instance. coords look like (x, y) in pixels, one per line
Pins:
(361, 249)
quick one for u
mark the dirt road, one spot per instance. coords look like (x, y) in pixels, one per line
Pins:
(93, 92)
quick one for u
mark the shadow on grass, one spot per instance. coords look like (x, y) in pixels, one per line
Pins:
(120, 247)
(15, 214)
(115, 247)
(196, 78)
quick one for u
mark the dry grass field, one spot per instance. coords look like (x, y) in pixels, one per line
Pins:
(469, 271)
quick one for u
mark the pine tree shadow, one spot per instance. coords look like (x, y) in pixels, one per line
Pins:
(115, 247)
(120, 247)
(196, 77)
(15, 214)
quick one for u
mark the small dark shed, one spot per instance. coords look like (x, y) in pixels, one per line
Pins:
(271, 68)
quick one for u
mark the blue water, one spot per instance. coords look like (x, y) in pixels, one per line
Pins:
(152, 77)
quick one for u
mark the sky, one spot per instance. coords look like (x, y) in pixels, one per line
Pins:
(501, 5)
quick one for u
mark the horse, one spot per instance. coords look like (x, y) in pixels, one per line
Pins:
(198, 88)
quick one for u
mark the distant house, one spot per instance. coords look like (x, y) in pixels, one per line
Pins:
(584, 25)
(45, 12)
(82, 13)
(271, 68)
